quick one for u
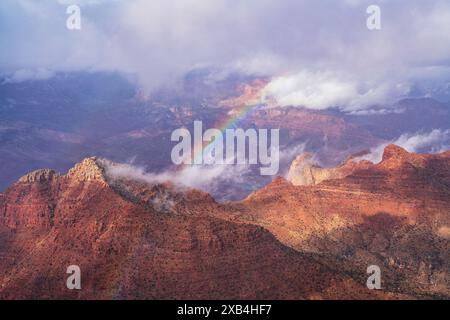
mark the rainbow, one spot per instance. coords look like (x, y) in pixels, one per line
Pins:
(224, 124)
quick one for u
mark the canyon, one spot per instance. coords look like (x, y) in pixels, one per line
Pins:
(135, 240)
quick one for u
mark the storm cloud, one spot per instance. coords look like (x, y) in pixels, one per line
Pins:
(318, 54)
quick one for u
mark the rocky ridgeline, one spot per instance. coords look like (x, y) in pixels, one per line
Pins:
(175, 243)
(32, 202)
(305, 171)
(395, 214)
(90, 169)
(128, 249)
(39, 176)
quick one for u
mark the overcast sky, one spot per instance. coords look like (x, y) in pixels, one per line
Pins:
(318, 53)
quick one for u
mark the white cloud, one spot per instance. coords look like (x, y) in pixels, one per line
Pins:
(321, 90)
(206, 178)
(290, 152)
(321, 50)
(434, 141)
(312, 90)
(29, 74)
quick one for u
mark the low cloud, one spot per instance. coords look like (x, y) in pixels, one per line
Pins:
(29, 74)
(202, 177)
(355, 92)
(322, 90)
(288, 154)
(435, 141)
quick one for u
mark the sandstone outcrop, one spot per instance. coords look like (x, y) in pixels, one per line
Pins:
(394, 214)
(305, 171)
